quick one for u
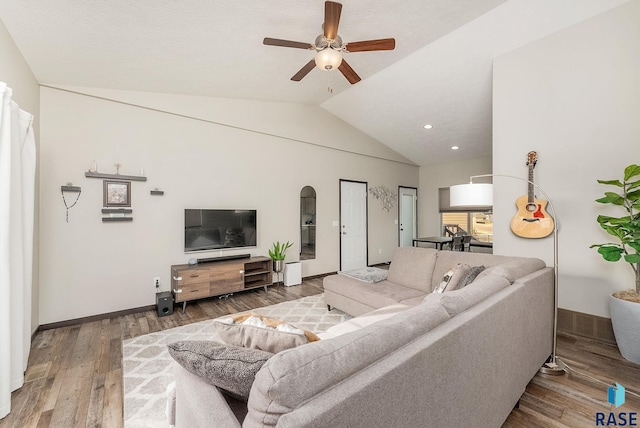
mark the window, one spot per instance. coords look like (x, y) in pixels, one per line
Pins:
(477, 224)
(476, 221)
(482, 226)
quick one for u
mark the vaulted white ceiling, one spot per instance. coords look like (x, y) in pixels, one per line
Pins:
(440, 72)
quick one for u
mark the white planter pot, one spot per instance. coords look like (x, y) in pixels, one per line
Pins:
(625, 317)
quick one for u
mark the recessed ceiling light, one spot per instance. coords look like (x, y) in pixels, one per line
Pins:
(454, 147)
(428, 126)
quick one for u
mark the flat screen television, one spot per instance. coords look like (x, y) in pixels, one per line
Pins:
(212, 229)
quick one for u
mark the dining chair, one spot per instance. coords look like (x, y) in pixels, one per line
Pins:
(457, 243)
(466, 243)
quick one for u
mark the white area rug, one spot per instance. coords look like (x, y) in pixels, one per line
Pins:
(147, 366)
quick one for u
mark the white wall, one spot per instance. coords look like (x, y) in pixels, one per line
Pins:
(16, 73)
(262, 161)
(574, 97)
(433, 177)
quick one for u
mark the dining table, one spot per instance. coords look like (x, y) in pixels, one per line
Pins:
(438, 241)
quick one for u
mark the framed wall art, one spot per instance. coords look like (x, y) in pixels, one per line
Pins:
(117, 193)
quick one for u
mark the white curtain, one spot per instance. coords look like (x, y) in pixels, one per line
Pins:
(17, 193)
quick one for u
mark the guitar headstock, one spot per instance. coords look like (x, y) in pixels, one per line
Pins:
(532, 158)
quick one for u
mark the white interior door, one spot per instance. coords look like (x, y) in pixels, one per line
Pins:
(353, 225)
(408, 216)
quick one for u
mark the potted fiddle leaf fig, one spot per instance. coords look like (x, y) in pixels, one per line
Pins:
(278, 252)
(624, 305)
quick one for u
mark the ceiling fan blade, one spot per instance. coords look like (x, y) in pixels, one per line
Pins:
(304, 71)
(371, 45)
(332, 12)
(348, 72)
(286, 43)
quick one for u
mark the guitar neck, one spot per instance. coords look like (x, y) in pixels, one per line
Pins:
(530, 187)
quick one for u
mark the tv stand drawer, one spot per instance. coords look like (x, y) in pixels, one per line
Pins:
(192, 292)
(194, 276)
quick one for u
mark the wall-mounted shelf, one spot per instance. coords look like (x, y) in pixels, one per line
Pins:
(90, 174)
(157, 192)
(70, 188)
(117, 211)
(110, 219)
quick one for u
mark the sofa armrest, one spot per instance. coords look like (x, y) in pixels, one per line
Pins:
(200, 404)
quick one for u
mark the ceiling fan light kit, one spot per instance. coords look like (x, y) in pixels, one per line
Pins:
(328, 59)
(329, 47)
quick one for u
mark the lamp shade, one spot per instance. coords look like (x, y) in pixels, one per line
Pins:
(471, 195)
(328, 59)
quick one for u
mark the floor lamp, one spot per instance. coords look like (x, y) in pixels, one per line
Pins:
(481, 194)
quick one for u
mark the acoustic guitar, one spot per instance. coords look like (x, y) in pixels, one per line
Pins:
(532, 219)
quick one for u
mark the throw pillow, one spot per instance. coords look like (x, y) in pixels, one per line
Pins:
(446, 279)
(470, 276)
(451, 279)
(230, 368)
(260, 332)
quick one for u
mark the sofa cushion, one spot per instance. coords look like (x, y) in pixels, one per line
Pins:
(364, 320)
(457, 301)
(413, 267)
(260, 332)
(377, 295)
(515, 269)
(230, 368)
(292, 377)
(413, 301)
(447, 259)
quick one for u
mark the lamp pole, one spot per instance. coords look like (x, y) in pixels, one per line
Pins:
(550, 367)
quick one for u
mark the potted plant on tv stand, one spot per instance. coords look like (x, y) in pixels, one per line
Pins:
(278, 252)
(624, 305)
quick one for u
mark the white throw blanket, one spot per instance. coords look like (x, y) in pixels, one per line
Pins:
(368, 274)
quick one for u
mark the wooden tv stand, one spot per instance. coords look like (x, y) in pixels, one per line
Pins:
(191, 282)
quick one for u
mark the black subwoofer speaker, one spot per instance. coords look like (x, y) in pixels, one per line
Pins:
(164, 303)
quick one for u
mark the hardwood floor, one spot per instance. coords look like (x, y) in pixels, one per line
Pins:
(74, 376)
(574, 398)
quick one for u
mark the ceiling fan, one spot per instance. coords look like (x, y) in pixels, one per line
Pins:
(329, 46)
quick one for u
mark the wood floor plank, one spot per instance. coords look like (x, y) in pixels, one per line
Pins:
(45, 419)
(75, 372)
(104, 348)
(96, 401)
(73, 397)
(54, 382)
(113, 410)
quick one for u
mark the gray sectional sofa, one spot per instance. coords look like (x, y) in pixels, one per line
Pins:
(414, 273)
(410, 357)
